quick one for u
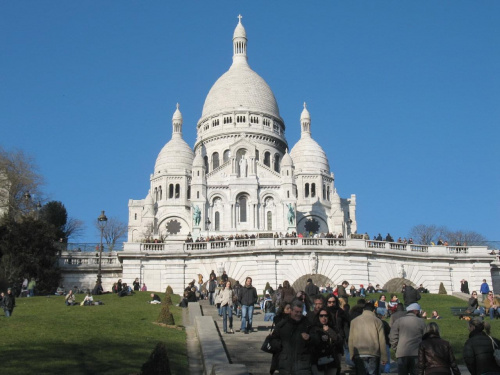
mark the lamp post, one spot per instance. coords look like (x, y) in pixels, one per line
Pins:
(101, 223)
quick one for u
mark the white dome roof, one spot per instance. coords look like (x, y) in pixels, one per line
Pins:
(308, 155)
(240, 88)
(287, 160)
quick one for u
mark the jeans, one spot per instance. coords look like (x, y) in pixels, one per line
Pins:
(382, 311)
(246, 316)
(492, 312)
(387, 367)
(227, 312)
(31, 292)
(407, 365)
(367, 365)
(8, 313)
(211, 297)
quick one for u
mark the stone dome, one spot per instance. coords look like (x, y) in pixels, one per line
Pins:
(309, 156)
(287, 160)
(240, 88)
(176, 154)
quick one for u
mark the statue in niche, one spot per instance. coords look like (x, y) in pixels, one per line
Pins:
(243, 167)
(291, 214)
(313, 263)
(196, 215)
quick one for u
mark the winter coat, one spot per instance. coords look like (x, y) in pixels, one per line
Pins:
(410, 295)
(226, 297)
(287, 294)
(9, 301)
(366, 336)
(342, 293)
(212, 284)
(247, 296)
(435, 355)
(478, 353)
(311, 290)
(406, 335)
(295, 356)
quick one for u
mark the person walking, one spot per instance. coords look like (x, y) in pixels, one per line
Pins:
(326, 356)
(479, 348)
(247, 298)
(435, 355)
(9, 302)
(406, 336)
(31, 287)
(212, 285)
(226, 307)
(297, 346)
(367, 342)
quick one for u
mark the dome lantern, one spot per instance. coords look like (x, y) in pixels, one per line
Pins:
(305, 121)
(177, 122)
(239, 42)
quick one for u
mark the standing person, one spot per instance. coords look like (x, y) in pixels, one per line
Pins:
(410, 295)
(247, 299)
(341, 290)
(484, 290)
(119, 286)
(311, 290)
(212, 285)
(224, 277)
(31, 287)
(367, 342)
(318, 304)
(406, 336)
(464, 286)
(226, 306)
(144, 287)
(200, 285)
(328, 343)
(9, 302)
(435, 355)
(287, 292)
(136, 284)
(478, 350)
(297, 346)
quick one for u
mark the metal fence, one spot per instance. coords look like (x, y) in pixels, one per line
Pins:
(87, 247)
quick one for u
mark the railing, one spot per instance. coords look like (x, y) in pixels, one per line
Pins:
(457, 249)
(86, 247)
(153, 246)
(89, 261)
(419, 248)
(375, 244)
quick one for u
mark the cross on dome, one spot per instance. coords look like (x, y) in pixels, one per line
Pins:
(239, 18)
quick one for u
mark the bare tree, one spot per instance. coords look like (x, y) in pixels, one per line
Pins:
(425, 234)
(20, 183)
(74, 228)
(463, 237)
(113, 231)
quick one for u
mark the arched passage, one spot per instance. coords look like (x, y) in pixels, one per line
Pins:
(395, 285)
(319, 280)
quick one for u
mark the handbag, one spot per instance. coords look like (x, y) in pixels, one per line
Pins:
(496, 351)
(271, 345)
(325, 361)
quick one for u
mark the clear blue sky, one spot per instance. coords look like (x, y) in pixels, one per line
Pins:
(404, 97)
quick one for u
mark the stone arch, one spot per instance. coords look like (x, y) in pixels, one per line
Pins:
(318, 279)
(395, 285)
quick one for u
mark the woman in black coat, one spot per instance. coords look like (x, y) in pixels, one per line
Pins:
(478, 350)
(435, 355)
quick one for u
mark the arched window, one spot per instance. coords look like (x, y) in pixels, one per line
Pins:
(269, 220)
(328, 193)
(217, 220)
(206, 163)
(288, 193)
(189, 192)
(256, 154)
(215, 160)
(277, 162)
(226, 156)
(313, 190)
(177, 191)
(243, 209)
(171, 191)
(135, 216)
(197, 195)
(161, 193)
(324, 192)
(156, 194)
(267, 159)
(306, 191)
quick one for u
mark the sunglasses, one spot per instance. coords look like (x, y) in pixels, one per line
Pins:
(331, 301)
(323, 316)
(474, 294)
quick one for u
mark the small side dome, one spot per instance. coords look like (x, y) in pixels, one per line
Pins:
(287, 160)
(307, 155)
(239, 31)
(198, 161)
(149, 199)
(305, 115)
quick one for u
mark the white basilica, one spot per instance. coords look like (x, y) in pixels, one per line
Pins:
(240, 178)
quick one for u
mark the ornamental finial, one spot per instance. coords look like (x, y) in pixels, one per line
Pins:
(239, 18)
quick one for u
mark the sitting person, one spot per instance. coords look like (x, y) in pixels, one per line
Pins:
(97, 289)
(435, 315)
(88, 300)
(473, 307)
(70, 298)
(381, 306)
(126, 291)
(60, 291)
(362, 291)
(352, 291)
(492, 305)
(393, 304)
(155, 298)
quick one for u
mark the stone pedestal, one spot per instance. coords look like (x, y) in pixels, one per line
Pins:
(195, 233)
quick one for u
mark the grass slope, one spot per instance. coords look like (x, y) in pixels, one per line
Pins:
(44, 336)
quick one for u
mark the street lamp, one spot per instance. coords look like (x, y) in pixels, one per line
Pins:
(101, 223)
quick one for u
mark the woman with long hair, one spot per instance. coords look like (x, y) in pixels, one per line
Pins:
(435, 355)
(283, 313)
(287, 292)
(326, 356)
(226, 307)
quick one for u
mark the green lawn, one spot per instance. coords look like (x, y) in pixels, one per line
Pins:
(452, 329)
(44, 336)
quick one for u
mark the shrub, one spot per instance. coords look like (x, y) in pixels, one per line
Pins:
(442, 289)
(169, 290)
(167, 300)
(165, 316)
(157, 364)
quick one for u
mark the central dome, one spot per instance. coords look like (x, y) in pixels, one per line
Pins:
(240, 88)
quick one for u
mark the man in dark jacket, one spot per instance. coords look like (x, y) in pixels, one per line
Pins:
(311, 290)
(247, 299)
(9, 302)
(212, 285)
(297, 345)
(410, 295)
(478, 350)
(341, 290)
